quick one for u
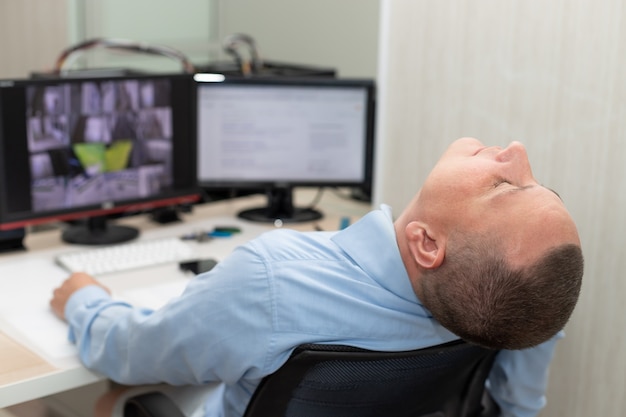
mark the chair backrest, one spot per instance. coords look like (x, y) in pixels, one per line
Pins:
(341, 381)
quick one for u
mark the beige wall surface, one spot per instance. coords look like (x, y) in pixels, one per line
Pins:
(32, 34)
(550, 74)
(184, 25)
(329, 33)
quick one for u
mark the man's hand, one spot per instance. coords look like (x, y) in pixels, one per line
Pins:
(75, 282)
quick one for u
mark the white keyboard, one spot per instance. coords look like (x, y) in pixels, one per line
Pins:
(125, 256)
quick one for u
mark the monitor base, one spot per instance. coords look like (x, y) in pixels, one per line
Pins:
(97, 231)
(265, 215)
(280, 208)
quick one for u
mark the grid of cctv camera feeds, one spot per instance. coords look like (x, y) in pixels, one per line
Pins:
(95, 142)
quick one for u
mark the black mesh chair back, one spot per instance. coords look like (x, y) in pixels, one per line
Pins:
(341, 381)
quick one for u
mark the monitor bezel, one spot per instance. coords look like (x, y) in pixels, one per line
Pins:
(184, 194)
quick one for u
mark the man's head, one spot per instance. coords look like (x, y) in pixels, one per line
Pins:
(494, 255)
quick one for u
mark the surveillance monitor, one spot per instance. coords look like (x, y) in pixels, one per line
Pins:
(86, 148)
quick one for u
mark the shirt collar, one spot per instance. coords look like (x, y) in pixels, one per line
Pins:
(371, 243)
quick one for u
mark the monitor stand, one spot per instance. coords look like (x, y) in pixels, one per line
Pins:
(98, 231)
(280, 207)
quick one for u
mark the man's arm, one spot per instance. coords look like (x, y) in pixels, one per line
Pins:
(519, 378)
(217, 330)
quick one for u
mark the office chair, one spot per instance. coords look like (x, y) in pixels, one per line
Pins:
(341, 381)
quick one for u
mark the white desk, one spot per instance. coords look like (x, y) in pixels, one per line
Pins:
(37, 361)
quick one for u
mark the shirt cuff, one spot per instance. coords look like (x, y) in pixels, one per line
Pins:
(89, 297)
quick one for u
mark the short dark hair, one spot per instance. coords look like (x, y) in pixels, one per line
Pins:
(479, 297)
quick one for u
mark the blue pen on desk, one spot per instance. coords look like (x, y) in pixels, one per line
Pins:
(223, 231)
(219, 233)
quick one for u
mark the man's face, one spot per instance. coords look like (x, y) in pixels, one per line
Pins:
(492, 190)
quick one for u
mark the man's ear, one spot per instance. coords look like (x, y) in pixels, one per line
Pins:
(426, 247)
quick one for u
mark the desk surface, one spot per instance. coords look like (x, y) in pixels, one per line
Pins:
(36, 358)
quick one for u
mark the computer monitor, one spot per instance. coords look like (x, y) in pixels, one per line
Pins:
(87, 148)
(276, 134)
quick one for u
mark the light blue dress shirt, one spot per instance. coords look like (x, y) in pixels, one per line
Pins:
(240, 321)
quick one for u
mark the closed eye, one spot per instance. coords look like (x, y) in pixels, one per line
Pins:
(499, 182)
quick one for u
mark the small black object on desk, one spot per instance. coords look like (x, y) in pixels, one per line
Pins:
(11, 240)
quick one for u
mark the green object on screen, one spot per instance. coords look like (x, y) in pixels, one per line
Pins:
(117, 155)
(91, 156)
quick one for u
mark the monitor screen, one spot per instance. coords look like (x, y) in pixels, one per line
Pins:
(276, 134)
(87, 148)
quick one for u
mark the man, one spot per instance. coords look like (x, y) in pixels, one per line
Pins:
(482, 252)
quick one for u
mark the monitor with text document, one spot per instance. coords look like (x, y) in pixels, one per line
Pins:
(86, 148)
(274, 134)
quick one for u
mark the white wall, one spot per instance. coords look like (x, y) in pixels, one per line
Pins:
(341, 34)
(32, 34)
(548, 73)
(328, 33)
(185, 25)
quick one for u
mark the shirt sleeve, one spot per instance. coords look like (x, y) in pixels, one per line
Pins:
(219, 329)
(519, 378)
